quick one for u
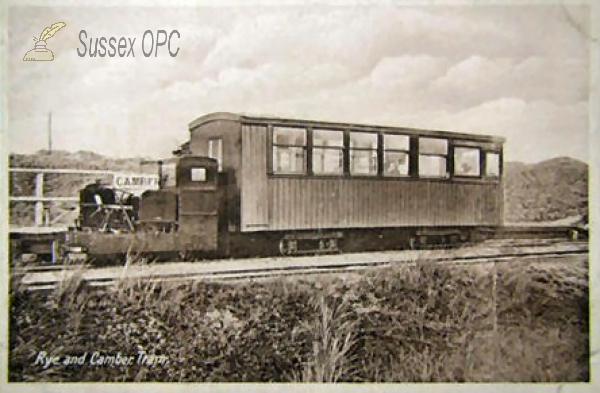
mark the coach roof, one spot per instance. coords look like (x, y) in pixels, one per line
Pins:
(245, 119)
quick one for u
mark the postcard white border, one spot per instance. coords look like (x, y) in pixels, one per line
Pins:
(594, 182)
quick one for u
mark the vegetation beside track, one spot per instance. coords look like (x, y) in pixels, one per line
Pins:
(429, 322)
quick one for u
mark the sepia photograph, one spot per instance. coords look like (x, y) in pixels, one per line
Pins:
(349, 193)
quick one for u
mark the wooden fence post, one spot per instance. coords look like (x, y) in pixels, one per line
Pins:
(39, 193)
(495, 344)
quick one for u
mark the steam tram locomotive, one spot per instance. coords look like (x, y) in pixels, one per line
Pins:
(247, 185)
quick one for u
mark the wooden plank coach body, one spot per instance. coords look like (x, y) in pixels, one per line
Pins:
(292, 175)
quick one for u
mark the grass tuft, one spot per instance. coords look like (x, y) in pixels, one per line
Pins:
(334, 329)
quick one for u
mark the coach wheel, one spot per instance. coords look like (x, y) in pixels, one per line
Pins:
(292, 246)
(454, 240)
(282, 248)
(412, 243)
(288, 247)
(573, 234)
(332, 245)
(322, 246)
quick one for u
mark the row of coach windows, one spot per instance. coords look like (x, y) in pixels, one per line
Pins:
(290, 155)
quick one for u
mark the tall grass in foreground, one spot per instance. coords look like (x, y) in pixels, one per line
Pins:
(403, 324)
(334, 331)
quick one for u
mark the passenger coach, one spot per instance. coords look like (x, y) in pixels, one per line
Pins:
(302, 185)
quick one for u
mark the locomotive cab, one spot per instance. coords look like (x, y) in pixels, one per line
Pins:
(103, 208)
(181, 216)
(186, 203)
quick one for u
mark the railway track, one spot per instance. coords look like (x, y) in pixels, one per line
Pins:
(268, 268)
(499, 243)
(41, 242)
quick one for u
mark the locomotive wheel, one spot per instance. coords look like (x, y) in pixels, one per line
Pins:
(15, 251)
(185, 256)
(75, 258)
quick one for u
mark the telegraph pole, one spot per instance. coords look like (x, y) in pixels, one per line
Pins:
(49, 132)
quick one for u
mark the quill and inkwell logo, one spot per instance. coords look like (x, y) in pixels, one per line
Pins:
(40, 52)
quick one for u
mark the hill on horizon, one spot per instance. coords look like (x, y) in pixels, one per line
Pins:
(82, 159)
(545, 191)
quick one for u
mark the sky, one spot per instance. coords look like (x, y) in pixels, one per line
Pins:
(521, 72)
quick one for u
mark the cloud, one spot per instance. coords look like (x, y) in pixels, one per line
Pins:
(406, 71)
(533, 129)
(474, 69)
(357, 35)
(478, 79)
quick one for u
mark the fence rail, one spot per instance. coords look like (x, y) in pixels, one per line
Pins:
(40, 200)
(64, 171)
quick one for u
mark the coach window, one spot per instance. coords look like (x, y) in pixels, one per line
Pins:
(466, 161)
(328, 152)
(215, 150)
(363, 153)
(396, 149)
(289, 150)
(433, 156)
(492, 164)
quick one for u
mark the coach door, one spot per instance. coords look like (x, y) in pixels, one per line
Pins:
(198, 203)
